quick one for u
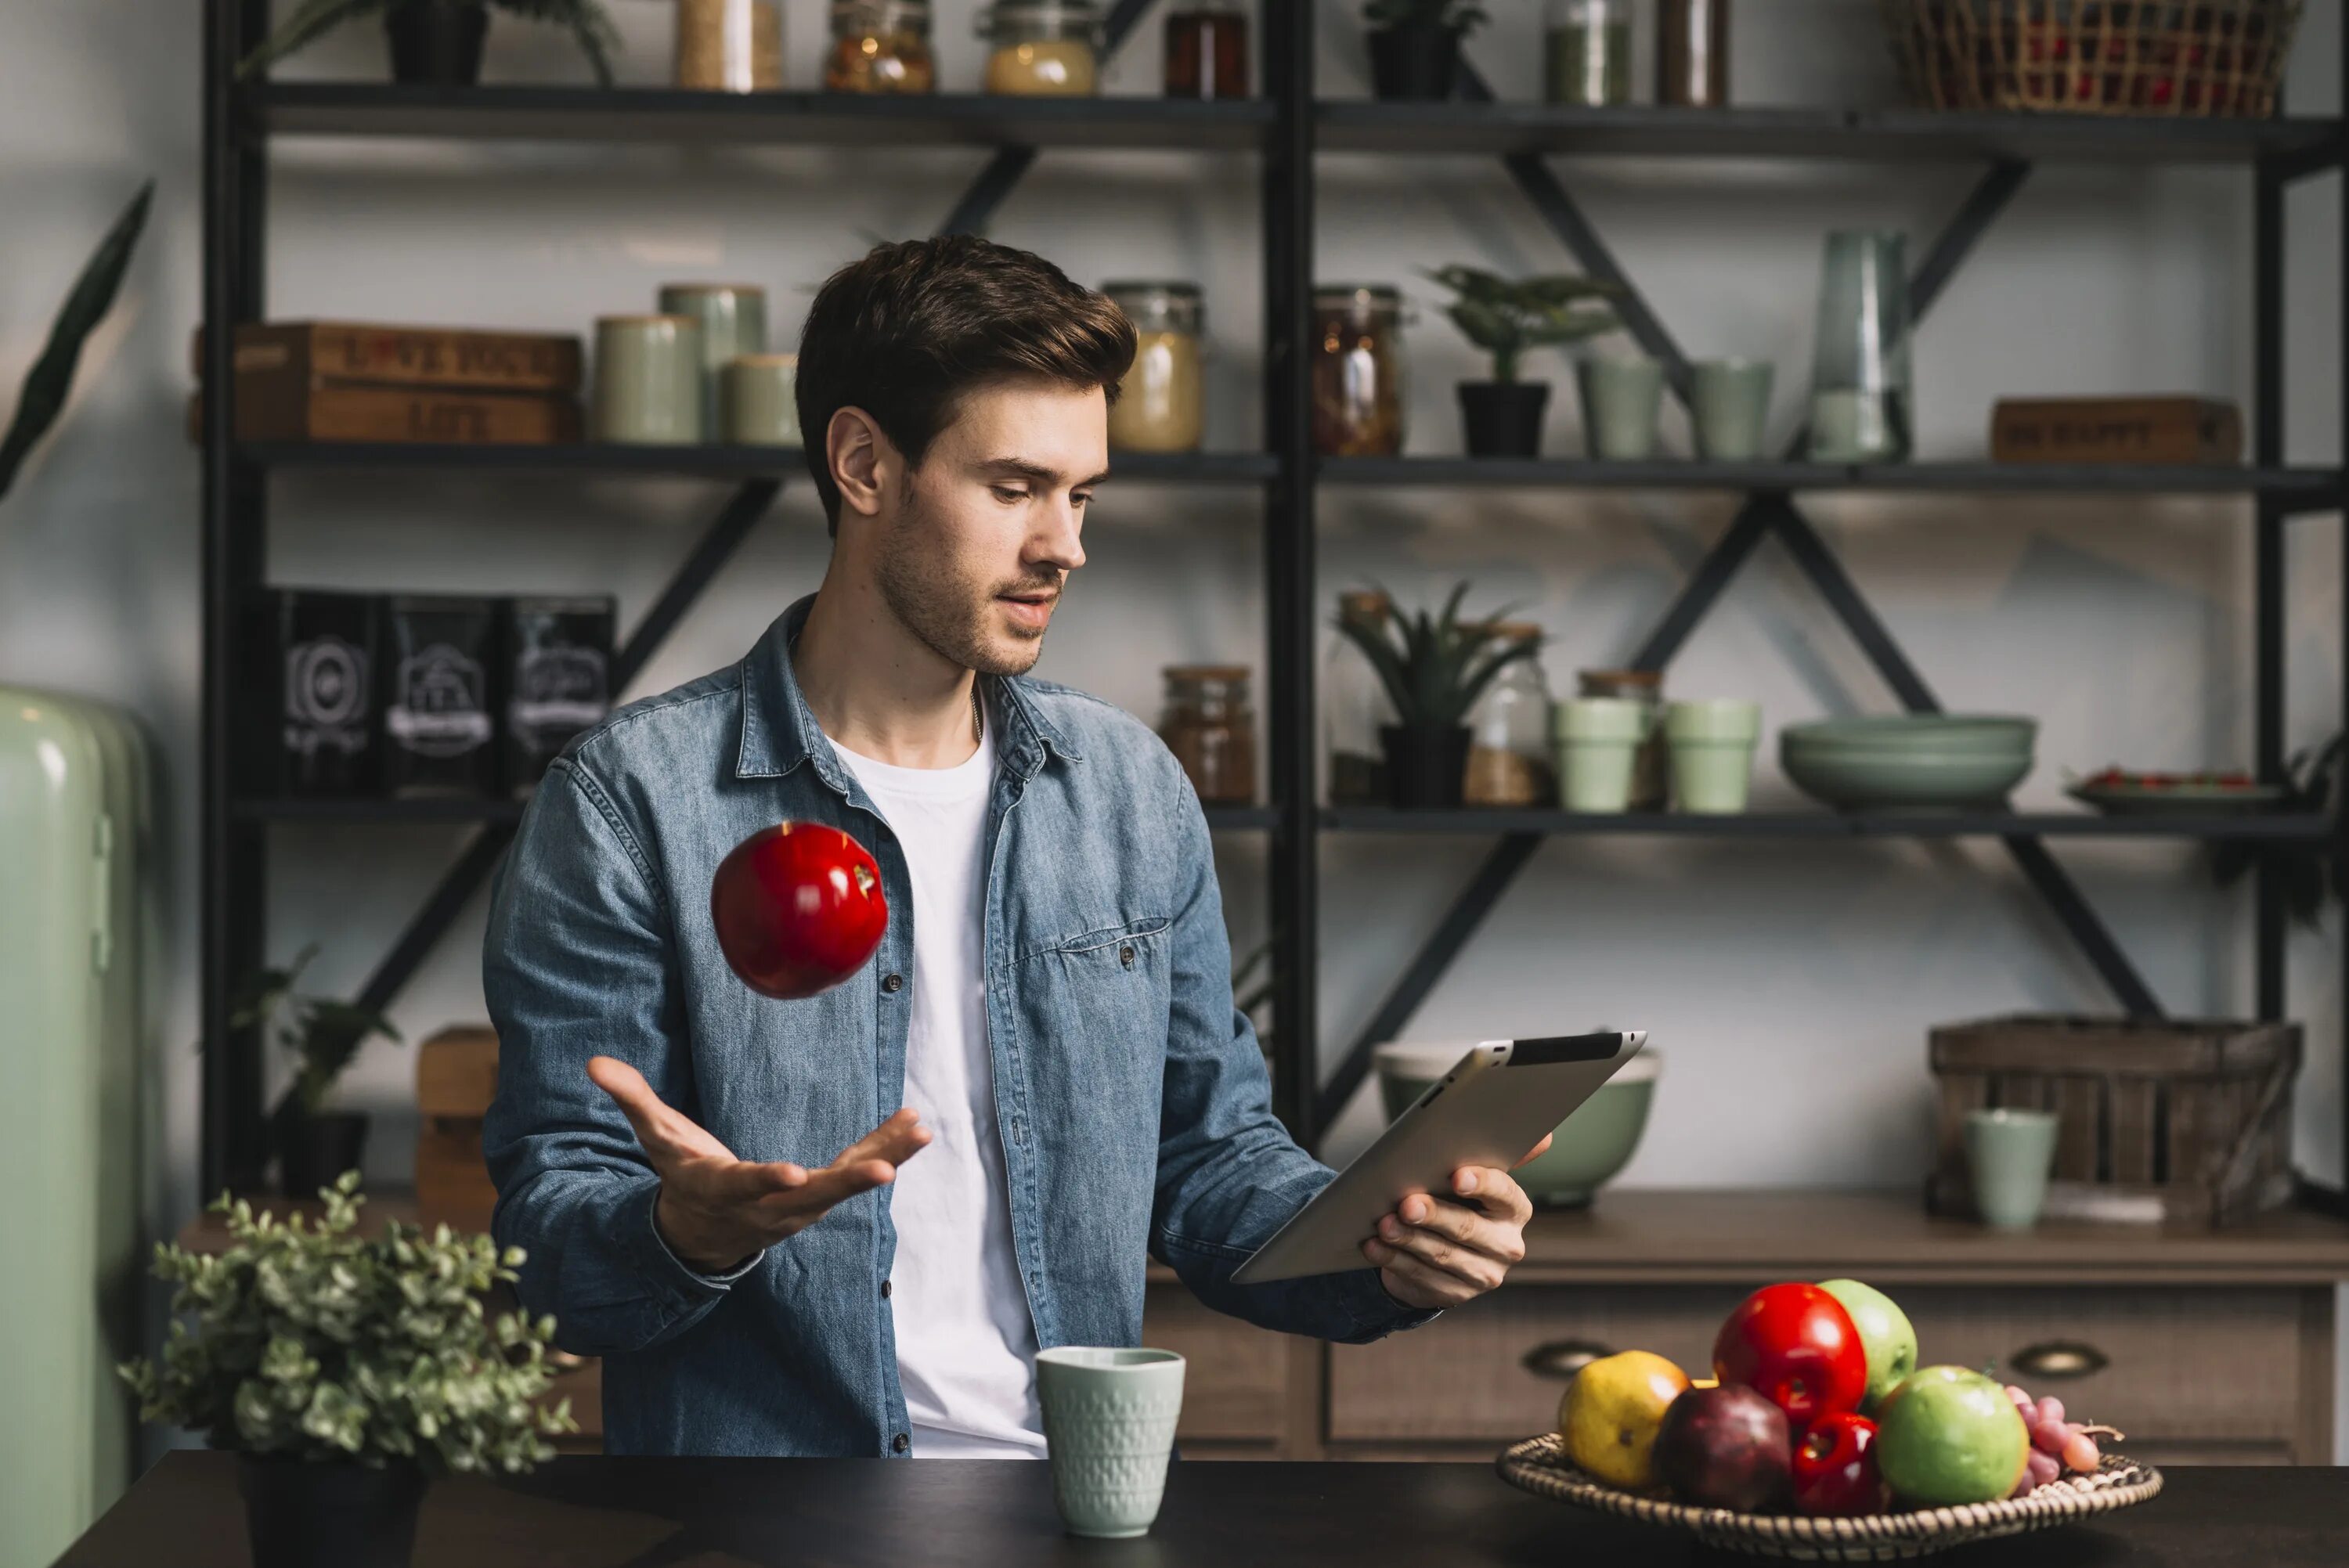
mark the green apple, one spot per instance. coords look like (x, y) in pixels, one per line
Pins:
(1949, 1436)
(1884, 1330)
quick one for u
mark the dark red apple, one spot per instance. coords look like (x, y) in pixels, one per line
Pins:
(1726, 1446)
(799, 908)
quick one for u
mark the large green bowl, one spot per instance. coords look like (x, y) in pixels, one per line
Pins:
(1891, 780)
(1588, 1149)
(1938, 732)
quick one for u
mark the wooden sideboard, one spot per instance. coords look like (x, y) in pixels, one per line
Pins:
(2206, 1347)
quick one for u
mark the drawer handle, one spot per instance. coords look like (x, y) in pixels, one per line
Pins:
(1562, 1358)
(2057, 1359)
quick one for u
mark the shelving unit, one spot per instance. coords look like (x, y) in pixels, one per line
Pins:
(1288, 129)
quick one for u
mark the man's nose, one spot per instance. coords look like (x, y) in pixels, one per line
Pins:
(1060, 544)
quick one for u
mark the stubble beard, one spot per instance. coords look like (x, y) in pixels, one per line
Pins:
(946, 613)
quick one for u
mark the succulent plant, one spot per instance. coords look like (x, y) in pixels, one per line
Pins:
(1435, 667)
(43, 398)
(1506, 316)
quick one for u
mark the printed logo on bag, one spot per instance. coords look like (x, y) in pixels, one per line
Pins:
(441, 710)
(325, 698)
(558, 692)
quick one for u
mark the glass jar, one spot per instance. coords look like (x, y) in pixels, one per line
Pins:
(1652, 768)
(1207, 50)
(1355, 706)
(1693, 53)
(1211, 729)
(730, 46)
(880, 47)
(1509, 731)
(1860, 377)
(1042, 48)
(1357, 370)
(1589, 53)
(1158, 405)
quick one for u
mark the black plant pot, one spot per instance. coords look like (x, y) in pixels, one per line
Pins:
(437, 43)
(311, 1150)
(1425, 767)
(1504, 418)
(326, 1515)
(1415, 60)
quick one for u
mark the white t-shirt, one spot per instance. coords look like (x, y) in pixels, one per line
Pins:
(966, 1346)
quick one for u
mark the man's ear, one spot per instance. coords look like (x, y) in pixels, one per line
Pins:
(861, 458)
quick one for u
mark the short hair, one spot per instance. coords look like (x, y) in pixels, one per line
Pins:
(914, 325)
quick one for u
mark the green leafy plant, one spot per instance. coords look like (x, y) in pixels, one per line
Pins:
(2308, 872)
(321, 1033)
(586, 20)
(1506, 316)
(1434, 666)
(312, 1342)
(43, 398)
(1462, 16)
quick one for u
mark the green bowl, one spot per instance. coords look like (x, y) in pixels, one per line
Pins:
(1588, 1149)
(1891, 781)
(1941, 732)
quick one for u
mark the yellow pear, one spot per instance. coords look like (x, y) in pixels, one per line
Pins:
(1611, 1412)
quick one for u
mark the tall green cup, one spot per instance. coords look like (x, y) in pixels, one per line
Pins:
(2011, 1153)
(1109, 1426)
(1597, 740)
(1730, 404)
(733, 318)
(1619, 401)
(1712, 753)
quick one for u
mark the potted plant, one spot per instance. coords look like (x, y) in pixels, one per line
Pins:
(42, 395)
(1433, 669)
(1415, 45)
(345, 1373)
(1504, 318)
(439, 42)
(315, 1145)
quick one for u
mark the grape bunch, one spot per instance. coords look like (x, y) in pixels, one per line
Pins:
(2057, 1445)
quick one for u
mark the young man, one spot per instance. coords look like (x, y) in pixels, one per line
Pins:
(719, 1193)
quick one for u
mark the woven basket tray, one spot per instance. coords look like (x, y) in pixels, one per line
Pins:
(1539, 1465)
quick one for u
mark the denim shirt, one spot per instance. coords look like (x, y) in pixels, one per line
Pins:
(1131, 1096)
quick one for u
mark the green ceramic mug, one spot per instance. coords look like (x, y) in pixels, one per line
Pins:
(2010, 1153)
(1730, 407)
(1597, 740)
(1620, 398)
(1712, 753)
(1109, 1427)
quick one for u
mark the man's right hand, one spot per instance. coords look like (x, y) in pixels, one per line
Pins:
(714, 1210)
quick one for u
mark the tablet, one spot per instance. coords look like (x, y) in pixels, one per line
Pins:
(1490, 1108)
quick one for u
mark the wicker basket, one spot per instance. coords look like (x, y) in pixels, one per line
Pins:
(2094, 56)
(2182, 1122)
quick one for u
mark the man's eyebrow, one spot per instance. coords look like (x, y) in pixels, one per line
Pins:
(1020, 468)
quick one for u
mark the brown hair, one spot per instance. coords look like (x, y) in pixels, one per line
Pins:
(905, 332)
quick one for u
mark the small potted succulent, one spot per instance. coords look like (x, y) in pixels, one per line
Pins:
(1433, 669)
(315, 1144)
(347, 1372)
(1416, 46)
(439, 42)
(1506, 317)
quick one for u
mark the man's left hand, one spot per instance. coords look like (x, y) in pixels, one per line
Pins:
(1434, 1254)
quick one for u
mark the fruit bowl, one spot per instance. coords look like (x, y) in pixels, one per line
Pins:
(1539, 1465)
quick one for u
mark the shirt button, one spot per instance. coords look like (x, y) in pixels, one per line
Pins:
(1126, 956)
(885, 1290)
(898, 1444)
(893, 984)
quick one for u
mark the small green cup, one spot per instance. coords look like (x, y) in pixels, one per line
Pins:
(1731, 408)
(761, 405)
(2011, 1153)
(648, 379)
(1619, 401)
(1712, 753)
(1598, 741)
(1109, 1427)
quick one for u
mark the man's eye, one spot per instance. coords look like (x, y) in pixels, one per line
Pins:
(1082, 496)
(1008, 494)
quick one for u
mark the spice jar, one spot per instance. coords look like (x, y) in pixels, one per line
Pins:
(1589, 56)
(1042, 48)
(1357, 370)
(730, 46)
(1509, 730)
(880, 47)
(1652, 768)
(1211, 729)
(1207, 50)
(1355, 705)
(1693, 53)
(1158, 403)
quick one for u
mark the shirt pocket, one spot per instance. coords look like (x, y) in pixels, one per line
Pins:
(1105, 992)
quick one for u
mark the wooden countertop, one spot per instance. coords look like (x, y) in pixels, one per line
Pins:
(600, 1513)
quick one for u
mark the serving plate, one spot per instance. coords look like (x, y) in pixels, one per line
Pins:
(2133, 800)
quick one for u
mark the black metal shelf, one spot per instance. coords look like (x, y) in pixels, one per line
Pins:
(714, 462)
(1827, 825)
(474, 810)
(2303, 486)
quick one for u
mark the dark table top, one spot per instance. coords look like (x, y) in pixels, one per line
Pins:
(603, 1512)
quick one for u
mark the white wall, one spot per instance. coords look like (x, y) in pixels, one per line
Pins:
(1790, 983)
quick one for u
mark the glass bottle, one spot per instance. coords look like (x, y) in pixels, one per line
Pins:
(1357, 370)
(1509, 731)
(1041, 49)
(730, 46)
(1355, 706)
(880, 47)
(1693, 53)
(1589, 56)
(1860, 409)
(1158, 407)
(1207, 50)
(1652, 768)
(1210, 728)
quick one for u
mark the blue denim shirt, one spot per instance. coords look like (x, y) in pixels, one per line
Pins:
(1131, 1098)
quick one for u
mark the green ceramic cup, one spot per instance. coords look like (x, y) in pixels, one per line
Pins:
(1712, 753)
(648, 379)
(1109, 1427)
(1730, 405)
(2010, 1153)
(1586, 1150)
(760, 400)
(1598, 741)
(1619, 401)
(733, 318)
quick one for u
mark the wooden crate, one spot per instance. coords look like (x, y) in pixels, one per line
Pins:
(2181, 1122)
(456, 1078)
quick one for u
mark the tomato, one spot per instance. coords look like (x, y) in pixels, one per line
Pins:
(1835, 1467)
(799, 908)
(1797, 1348)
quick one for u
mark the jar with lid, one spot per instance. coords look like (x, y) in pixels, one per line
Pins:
(730, 46)
(1041, 49)
(880, 47)
(1652, 767)
(1357, 370)
(1355, 705)
(1693, 53)
(1210, 728)
(1589, 53)
(1158, 407)
(1207, 50)
(1509, 730)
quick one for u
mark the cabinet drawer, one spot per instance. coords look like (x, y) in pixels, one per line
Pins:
(1235, 1373)
(2185, 1365)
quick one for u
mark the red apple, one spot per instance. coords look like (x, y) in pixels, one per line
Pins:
(799, 908)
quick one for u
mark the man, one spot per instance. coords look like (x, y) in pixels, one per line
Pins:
(721, 1193)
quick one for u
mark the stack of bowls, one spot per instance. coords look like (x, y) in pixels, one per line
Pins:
(1908, 762)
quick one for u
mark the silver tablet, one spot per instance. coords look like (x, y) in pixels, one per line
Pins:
(1490, 1108)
